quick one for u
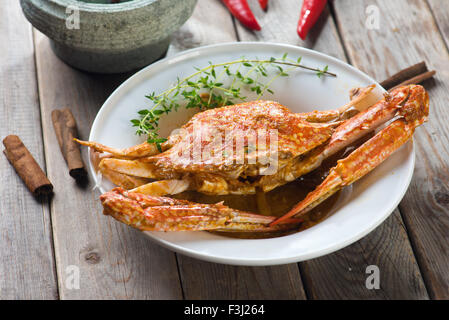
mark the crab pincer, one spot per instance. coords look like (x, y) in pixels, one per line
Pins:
(153, 213)
(412, 111)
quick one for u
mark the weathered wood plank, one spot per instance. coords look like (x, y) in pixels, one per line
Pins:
(408, 34)
(388, 248)
(26, 254)
(204, 280)
(279, 25)
(115, 261)
(211, 23)
(342, 275)
(440, 11)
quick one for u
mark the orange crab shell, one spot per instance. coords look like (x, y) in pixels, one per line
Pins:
(217, 135)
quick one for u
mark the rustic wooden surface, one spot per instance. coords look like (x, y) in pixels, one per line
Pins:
(403, 41)
(27, 267)
(387, 246)
(39, 241)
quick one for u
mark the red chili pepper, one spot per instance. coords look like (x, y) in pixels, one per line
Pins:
(310, 11)
(263, 4)
(240, 9)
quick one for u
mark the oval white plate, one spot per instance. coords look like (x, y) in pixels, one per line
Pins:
(371, 201)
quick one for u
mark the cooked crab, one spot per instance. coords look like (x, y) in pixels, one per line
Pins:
(243, 148)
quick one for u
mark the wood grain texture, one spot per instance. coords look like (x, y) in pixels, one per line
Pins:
(279, 25)
(388, 248)
(342, 275)
(204, 280)
(212, 23)
(26, 256)
(115, 261)
(440, 11)
(408, 34)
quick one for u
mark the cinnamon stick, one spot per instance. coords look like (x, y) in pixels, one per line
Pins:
(26, 166)
(404, 75)
(65, 128)
(418, 79)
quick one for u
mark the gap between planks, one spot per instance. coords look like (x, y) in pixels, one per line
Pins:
(399, 42)
(115, 261)
(55, 268)
(335, 276)
(27, 263)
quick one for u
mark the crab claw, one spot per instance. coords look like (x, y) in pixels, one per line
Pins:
(413, 112)
(152, 213)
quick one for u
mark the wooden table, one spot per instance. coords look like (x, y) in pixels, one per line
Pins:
(40, 242)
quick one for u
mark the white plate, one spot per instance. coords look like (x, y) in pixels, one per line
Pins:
(371, 201)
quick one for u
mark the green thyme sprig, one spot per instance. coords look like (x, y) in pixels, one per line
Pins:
(206, 89)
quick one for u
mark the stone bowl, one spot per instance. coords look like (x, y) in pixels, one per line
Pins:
(103, 37)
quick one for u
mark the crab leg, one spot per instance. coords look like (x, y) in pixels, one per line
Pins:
(400, 102)
(135, 168)
(152, 213)
(404, 101)
(124, 180)
(144, 149)
(163, 187)
(361, 99)
(362, 160)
